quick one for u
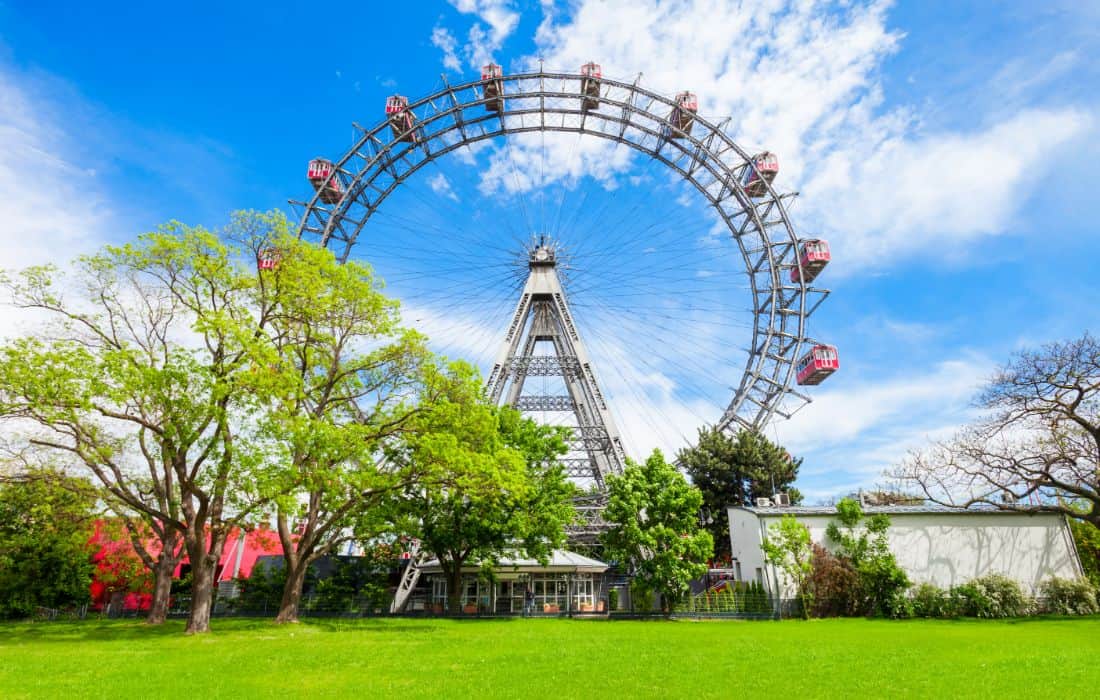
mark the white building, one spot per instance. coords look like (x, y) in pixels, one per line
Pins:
(568, 582)
(934, 545)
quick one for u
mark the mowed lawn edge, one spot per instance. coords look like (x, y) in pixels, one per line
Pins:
(1041, 657)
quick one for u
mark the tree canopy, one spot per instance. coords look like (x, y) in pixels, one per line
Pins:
(47, 521)
(654, 516)
(735, 470)
(789, 547)
(488, 480)
(144, 376)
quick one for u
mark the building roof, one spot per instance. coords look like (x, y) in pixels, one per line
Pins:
(889, 510)
(560, 560)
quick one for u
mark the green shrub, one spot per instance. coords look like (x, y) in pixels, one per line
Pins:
(835, 583)
(929, 600)
(899, 606)
(613, 599)
(1061, 596)
(641, 598)
(991, 596)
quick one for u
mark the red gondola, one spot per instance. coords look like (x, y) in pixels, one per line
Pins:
(767, 167)
(321, 176)
(402, 121)
(683, 114)
(268, 258)
(813, 258)
(493, 77)
(817, 364)
(590, 85)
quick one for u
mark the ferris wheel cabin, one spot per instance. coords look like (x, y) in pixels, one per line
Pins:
(766, 168)
(590, 85)
(812, 259)
(683, 114)
(402, 121)
(817, 364)
(268, 259)
(321, 174)
(493, 77)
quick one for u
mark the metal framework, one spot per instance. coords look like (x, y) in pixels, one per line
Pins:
(542, 318)
(456, 116)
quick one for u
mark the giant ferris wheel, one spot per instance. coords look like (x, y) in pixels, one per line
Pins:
(674, 270)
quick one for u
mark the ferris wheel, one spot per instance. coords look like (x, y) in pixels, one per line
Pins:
(684, 274)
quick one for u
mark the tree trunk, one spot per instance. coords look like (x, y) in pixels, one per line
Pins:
(203, 566)
(202, 597)
(162, 583)
(454, 590)
(292, 592)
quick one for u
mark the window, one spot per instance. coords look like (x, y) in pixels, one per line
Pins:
(737, 564)
(583, 592)
(760, 576)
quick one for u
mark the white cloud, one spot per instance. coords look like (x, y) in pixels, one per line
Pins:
(482, 42)
(531, 161)
(446, 42)
(52, 208)
(803, 79)
(854, 431)
(442, 186)
(52, 205)
(902, 194)
(845, 413)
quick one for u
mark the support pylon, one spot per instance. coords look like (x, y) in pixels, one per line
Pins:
(543, 322)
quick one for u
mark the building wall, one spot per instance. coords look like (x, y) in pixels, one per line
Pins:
(947, 549)
(745, 538)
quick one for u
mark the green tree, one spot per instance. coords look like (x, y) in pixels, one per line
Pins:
(1087, 538)
(789, 547)
(143, 378)
(654, 516)
(490, 481)
(864, 542)
(47, 522)
(735, 470)
(343, 375)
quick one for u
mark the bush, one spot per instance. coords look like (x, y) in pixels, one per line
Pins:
(835, 584)
(1061, 596)
(641, 598)
(929, 600)
(991, 596)
(613, 599)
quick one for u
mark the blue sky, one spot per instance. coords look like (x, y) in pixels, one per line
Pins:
(948, 151)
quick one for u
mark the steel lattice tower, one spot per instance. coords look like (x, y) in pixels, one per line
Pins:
(542, 319)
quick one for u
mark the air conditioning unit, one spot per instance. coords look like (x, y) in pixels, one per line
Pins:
(763, 503)
(782, 499)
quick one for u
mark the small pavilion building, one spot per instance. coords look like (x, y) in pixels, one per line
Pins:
(567, 583)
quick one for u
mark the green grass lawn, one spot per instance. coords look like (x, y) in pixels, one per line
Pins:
(398, 658)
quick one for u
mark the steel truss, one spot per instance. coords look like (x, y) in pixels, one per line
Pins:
(706, 157)
(542, 316)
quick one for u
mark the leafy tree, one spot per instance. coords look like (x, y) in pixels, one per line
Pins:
(1087, 538)
(863, 541)
(47, 522)
(490, 481)
(1037, 449)
(344, 376)
(654, 516)
(735, 470)
(143, 379)
(788, 546)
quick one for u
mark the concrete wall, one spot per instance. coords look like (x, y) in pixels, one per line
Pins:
(948, 548)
